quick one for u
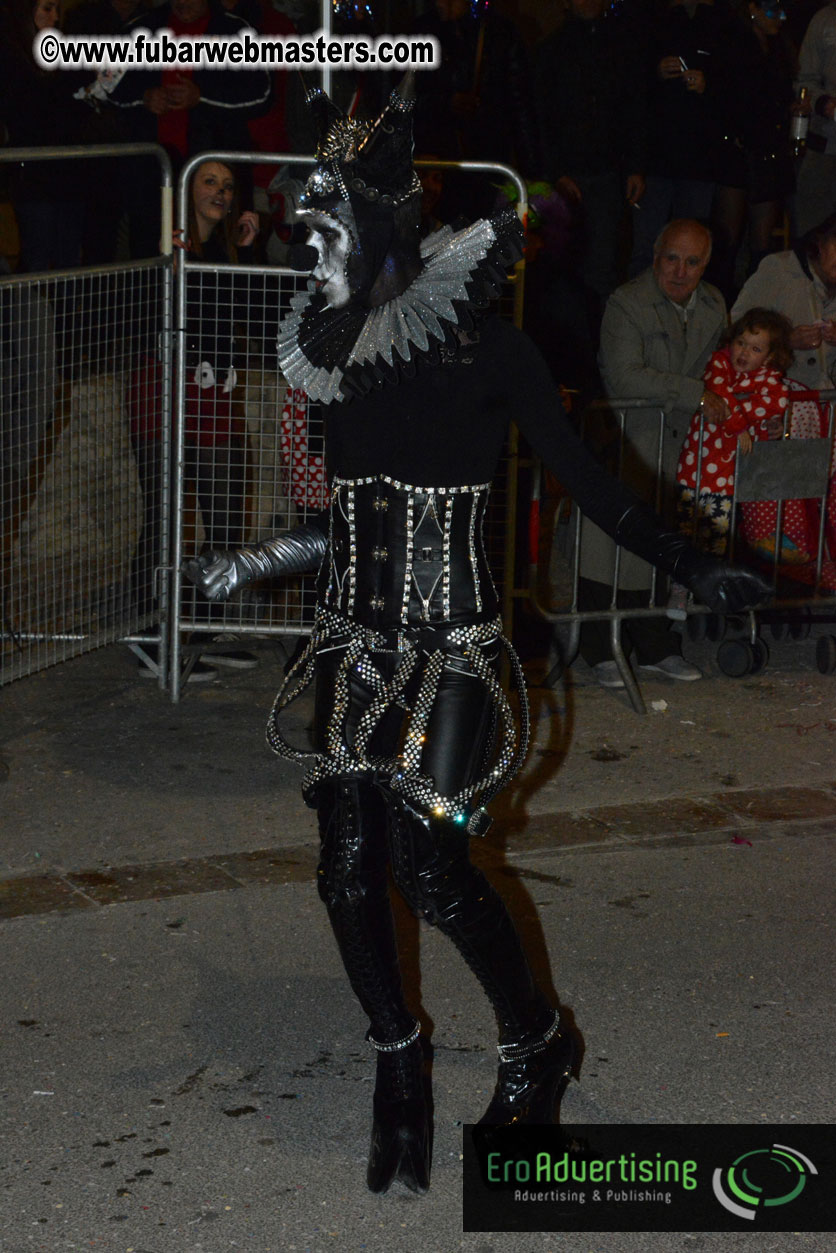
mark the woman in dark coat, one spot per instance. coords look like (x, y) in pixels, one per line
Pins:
(754, 171)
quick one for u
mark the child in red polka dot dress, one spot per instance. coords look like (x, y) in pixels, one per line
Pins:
(747, 375)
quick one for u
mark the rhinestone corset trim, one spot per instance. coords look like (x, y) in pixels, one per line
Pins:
(403, 554)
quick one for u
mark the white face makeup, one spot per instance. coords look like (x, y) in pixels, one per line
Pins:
(334, 242)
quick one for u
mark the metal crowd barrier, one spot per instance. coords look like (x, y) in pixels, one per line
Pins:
(78, 564)
(784, 470)
(248, 454)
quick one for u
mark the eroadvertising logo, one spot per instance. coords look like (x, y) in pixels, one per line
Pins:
(729, 1177)
(762, 1177)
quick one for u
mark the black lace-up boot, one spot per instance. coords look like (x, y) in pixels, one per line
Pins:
(432, 867)
(354, 884)
(533, 1074)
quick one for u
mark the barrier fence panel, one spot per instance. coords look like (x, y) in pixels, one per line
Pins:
(249, 450)
(81, 511)
(781, 522)
(252, 450)
(83, 515)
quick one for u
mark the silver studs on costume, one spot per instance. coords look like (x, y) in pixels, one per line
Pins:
(396, 595)
(407, 559)
(361, 645)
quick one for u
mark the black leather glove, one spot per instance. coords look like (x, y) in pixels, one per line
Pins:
(719, 586)
(715, 584)
(218, 574)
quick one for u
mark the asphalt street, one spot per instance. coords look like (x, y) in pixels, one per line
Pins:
(184, 1068)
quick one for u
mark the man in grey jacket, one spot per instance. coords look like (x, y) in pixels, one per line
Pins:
(657, 335)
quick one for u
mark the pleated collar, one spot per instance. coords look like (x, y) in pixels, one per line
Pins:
(337, 354)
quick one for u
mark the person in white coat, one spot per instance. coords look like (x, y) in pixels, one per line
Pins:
(801, 284)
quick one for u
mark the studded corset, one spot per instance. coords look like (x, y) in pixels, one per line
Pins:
(404, 555)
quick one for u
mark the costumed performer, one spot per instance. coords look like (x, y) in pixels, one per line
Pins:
(413, 733)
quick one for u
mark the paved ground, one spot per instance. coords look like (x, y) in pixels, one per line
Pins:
(183, 1066)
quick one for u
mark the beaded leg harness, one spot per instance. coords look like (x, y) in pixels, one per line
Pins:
(406, 574)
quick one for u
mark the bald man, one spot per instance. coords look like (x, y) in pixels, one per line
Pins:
(658, 333)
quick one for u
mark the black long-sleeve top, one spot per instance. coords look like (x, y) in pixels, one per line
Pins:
(758, 113)
(228, 97)
(38, 110)
(446, 426)
(503, 126)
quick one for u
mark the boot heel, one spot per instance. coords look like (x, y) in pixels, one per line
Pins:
(529, 1086)
(553, 1086)
(400, 1147)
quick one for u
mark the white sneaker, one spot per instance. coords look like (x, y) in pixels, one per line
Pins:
(607, 674)
(676, 667)
(235, 658)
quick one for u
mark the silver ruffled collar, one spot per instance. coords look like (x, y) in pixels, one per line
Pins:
(402, 328)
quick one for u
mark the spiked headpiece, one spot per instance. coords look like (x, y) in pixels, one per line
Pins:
(365, 163)
(410, 301)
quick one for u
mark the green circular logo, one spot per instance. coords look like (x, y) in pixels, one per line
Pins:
(762, 1178)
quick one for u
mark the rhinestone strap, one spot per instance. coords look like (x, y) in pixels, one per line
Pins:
(518, 1052)
(403, 774)
(399, 485)
(396, 1044)
(352, 548)
(471, 544)
(447, 506)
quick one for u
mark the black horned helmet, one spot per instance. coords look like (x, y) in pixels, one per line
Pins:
(364, 181)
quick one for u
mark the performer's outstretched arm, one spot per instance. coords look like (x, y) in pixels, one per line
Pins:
(611, 504)
(217, 574)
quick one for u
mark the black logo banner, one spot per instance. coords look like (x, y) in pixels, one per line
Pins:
(652, 1177)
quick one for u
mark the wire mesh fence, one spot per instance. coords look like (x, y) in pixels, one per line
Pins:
(76, 499)
(252, 458)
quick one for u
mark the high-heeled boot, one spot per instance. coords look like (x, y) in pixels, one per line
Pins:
(432, 867)
(353, 882)
(532, 1077)
(401, 1131)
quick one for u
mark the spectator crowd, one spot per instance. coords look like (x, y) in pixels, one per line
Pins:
(680, 157)
(628, 114)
